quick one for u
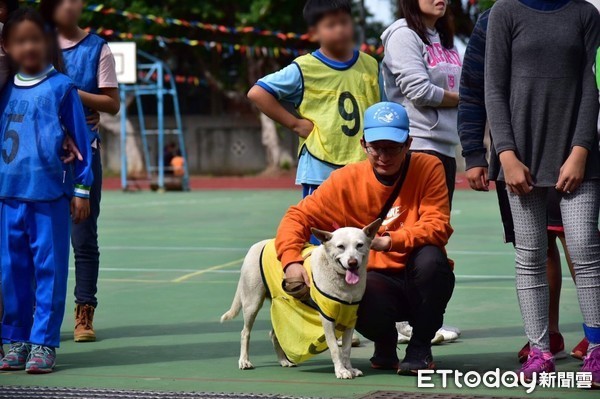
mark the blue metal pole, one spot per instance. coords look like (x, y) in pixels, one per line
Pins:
(142, 121)
(123, 112)
(182, 147)
(161, 127)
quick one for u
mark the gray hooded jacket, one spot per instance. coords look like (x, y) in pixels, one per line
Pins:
(415, 75)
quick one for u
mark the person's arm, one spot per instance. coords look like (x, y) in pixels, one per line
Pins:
(284, 85)
(107, 101)
(598, 68)
(497, 79)
(316, 211)
(433, 226)
(4, 65)
(585, 134)
(472, 117)
(294, 229)
(498, 55)
(585, 137)
(404, 59)
(73, 119)
(270, 106)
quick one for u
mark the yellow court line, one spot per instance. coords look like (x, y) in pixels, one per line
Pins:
(210, 269)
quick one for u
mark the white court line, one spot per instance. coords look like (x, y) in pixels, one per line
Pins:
(143, 270)
(183, 249)
(482, 253)
(483, 276)
(169, 203)
(128, 270)
(206, 271)
(228, 249)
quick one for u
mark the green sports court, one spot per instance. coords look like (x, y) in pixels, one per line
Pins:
(169, 270)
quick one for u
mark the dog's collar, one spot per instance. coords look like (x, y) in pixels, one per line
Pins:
(330, 296)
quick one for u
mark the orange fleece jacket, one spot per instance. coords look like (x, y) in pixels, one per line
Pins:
(353, 197)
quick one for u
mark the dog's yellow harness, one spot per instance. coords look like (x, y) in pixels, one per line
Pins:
(297, 324)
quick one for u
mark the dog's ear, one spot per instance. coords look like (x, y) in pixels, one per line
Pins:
(321, 235)
(372, 229)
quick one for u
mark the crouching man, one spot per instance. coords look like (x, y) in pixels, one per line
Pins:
(410, 277)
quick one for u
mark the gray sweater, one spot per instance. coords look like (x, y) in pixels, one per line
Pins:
(541, 97)
(415, 75)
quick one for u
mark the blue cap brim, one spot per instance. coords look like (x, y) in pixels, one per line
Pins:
(386, 133)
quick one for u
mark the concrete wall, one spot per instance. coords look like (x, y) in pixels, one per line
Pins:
(215, 145)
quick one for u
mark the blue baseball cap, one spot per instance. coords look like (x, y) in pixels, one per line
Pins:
(386, 121)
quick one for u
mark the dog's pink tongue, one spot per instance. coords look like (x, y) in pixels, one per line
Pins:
(352, 277)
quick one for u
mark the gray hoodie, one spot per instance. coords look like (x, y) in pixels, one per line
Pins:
(416, 75)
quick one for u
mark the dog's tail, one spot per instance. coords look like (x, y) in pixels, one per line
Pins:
(235, 308)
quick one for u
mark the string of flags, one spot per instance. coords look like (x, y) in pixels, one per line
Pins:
(250, 51)
(210, 45)
(216, 28)
(220, 47)
(101, 8)
(180, 79)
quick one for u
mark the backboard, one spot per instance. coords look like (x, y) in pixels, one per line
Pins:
(125, 61)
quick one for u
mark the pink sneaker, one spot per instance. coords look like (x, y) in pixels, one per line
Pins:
(591, 364)
(537, 362)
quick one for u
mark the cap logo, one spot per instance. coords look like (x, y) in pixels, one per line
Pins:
(386, 115)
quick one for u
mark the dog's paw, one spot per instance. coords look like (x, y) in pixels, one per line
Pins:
(245, 365)
(344, 374)
(286, 363)
(356, 372)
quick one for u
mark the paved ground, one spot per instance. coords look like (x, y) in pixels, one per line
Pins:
(169, 267)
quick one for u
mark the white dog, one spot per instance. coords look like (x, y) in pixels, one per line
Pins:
(338, 270)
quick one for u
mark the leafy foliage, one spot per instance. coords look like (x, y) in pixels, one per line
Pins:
(223, 72)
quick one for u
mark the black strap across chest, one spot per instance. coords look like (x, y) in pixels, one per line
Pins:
(394, 195)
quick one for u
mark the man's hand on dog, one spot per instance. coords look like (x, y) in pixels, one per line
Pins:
(297, 270)
(381, 244)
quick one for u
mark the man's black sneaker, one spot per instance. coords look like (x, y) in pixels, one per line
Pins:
(417, 358)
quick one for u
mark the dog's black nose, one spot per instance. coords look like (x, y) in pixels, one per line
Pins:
(352, 263)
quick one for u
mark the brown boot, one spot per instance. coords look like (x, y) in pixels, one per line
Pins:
(84, 323)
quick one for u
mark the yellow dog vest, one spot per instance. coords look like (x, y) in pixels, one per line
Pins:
(335, 100)
(298, 325)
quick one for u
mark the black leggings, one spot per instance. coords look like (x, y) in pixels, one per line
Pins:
(418, 294)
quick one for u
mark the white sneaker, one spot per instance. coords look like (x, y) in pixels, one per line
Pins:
(355, 341)
(404, 332)
(444, 334)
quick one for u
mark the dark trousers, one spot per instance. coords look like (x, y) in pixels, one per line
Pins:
(449, 169)
(418, 294)
(84, 237)
(308, 189)
(505, 212)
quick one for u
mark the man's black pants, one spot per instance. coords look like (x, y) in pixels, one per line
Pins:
(418, 294)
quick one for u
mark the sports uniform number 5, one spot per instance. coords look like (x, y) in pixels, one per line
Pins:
(13, 136)
(349, 111)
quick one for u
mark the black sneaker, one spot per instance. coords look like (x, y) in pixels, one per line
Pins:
(417, 358)
(385, 357)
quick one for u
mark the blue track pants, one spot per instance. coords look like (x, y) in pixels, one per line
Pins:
(34, 243)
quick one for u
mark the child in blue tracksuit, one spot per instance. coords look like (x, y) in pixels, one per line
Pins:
(6, 8)
(39, 194)
(91, 65)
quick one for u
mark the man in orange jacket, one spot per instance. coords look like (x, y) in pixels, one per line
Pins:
(410, 277)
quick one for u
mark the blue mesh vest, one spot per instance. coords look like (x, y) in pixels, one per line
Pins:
(82, 61)
(31, 139)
